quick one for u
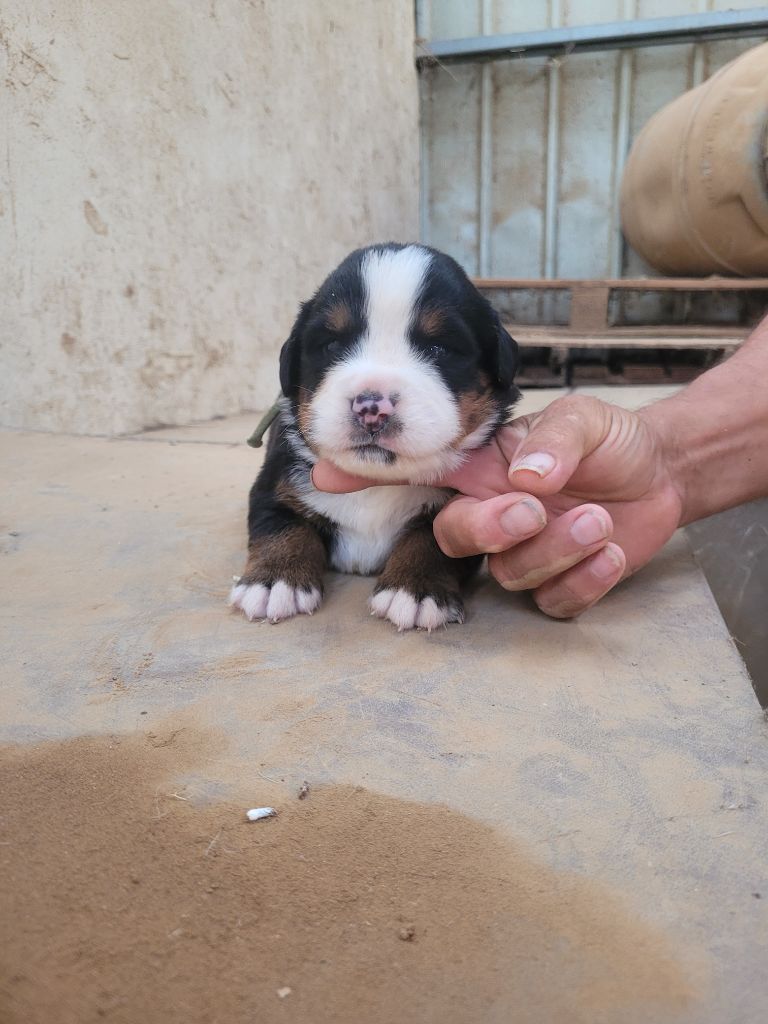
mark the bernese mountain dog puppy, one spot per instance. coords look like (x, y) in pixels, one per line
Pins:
(394, 370)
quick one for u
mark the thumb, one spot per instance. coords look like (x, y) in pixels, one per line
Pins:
(327, 477)
(558, 439)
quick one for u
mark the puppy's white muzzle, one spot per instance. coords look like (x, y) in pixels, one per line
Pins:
(407, 411)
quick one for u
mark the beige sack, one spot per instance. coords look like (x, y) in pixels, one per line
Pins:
(694, 194)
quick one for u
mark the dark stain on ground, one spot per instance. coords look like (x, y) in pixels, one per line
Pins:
(120, 899)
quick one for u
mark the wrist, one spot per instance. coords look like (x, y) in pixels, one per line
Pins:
(713, 435)
(678, 453)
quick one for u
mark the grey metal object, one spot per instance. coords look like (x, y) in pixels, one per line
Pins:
(732, 549)
(485, 190)
(618, 35)
(552, 166)
(522, 159)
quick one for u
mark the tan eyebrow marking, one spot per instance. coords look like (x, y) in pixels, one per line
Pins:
(430, 321)
(338, 317)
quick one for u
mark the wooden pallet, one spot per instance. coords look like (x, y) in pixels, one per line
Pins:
(589, 322)
(592, 350)
(531, 336)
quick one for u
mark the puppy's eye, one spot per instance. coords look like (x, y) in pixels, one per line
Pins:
(332, 346)
(436, 351)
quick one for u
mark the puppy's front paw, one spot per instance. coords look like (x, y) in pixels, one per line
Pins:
(407, 611)
(276, 602)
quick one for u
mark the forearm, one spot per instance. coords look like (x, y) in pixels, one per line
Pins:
(714, 433)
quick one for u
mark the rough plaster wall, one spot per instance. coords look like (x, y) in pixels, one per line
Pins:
(174, 178)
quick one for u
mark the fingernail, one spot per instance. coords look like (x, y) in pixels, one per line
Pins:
(539, 463)
(522, 519)
(589, 528)
(605, 564)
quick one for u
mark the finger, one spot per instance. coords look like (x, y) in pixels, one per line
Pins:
(485, 471)
(467, 526)
(327, 477)
(566, 432)
(565, 542)
(579, 588)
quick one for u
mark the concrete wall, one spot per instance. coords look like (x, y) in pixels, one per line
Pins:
(174, 178)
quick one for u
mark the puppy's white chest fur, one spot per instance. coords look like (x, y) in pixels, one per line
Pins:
(368, 522)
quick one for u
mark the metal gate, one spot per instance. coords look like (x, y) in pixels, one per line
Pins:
(522, 157)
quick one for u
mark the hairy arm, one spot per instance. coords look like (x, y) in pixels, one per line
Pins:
(714, 433)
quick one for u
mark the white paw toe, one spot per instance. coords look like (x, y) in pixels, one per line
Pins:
(308, 601)
(379, 603)
(430, 616)
(278, 602)
(282, 602)
(405, 612)
(251, 599)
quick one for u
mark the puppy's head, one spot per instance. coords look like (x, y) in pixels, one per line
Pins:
(397, 366)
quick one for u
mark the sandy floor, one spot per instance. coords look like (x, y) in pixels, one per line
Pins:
(125, 901)
(512, 820)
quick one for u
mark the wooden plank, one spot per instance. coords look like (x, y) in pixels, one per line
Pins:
(641, 284)
(628, 396)
(642, 373)
(594, 373)
(625, 337)
(589, 307)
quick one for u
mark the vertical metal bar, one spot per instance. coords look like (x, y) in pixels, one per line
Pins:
(699, 53)
(423, 31)
(697, 71)
(552, 180)
(623, 110)
(485, 183)
(423, 19)
(425, 135)
(620, 149)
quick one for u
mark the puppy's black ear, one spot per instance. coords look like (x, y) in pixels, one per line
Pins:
(504, 353)
(290, 353)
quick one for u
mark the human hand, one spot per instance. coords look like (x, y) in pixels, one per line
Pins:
(565, 502)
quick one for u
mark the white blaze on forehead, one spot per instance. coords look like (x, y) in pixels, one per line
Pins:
(393, 280)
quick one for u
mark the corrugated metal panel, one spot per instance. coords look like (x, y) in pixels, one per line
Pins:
(522, 159)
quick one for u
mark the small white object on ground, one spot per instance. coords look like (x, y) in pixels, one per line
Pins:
(257, 813)
(283, 992)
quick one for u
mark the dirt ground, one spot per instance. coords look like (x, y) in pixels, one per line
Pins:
(122, 900)
(517, 820)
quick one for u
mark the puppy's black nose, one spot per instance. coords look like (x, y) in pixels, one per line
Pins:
(372, 410)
